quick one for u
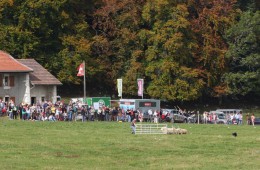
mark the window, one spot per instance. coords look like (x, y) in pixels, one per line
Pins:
(1, 80)
(7, 98)
(6, 80)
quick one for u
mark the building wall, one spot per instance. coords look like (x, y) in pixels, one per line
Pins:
(44, 92)
(20, 92)
(23, 91)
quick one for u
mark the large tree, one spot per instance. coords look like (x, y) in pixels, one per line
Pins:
(115, 45)
(210, 19)
(244, 55)
(55, 33)
(169, 69)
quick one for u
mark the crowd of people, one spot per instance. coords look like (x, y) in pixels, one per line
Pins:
(232, 118)
(59, 111)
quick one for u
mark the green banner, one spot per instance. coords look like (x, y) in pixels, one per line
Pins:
(100, 101)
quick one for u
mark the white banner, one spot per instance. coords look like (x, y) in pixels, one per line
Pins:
(119, 87)
(140, 83)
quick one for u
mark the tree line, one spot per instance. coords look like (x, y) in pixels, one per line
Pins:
(183, 49)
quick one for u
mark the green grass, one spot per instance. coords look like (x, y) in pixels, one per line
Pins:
(109, 145)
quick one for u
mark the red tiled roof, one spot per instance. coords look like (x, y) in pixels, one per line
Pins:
(39, 76)
(9, 64)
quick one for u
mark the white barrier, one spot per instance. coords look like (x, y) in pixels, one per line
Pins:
(149, 128)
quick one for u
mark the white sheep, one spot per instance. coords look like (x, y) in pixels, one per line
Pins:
(173, 130)
(183, 131)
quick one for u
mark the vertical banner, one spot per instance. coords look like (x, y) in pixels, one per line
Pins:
(119, 87)
(140, 83)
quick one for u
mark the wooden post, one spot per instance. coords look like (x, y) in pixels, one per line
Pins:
(198, 117)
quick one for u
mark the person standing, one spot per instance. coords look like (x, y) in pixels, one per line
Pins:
(99, 112)
(28, 112)
(155, 116)
(240, 119)
(1, 107)
(205, 115)
(150, 114)
(214, 118)
(232, 118)
(10, 111)
(92, 113)
(15, 108)
(237, 118)
(248, 118)
(107, 113)
(83, 113)
(53, 109)
(140, 116)
(24, 113)
(253, 119)
(133, 126)
(128, 115)
(70, 111)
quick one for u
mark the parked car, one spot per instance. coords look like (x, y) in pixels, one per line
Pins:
(221, 117)
(194, 119)
(173, 115)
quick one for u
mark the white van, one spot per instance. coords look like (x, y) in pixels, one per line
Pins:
(229, 111)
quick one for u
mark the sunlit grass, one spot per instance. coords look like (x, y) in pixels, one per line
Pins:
(110, 145)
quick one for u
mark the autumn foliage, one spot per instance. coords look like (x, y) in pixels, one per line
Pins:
(180, 48)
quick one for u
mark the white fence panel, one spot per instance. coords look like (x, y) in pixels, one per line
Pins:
(149, 128)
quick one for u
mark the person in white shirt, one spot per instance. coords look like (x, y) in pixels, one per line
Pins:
(205, 115)
(155, 114)
(150, 114)
(140, 116)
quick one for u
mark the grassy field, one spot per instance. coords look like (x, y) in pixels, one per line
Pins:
(110, 145)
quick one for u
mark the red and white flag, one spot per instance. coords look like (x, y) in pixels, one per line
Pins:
(140, 83)
(81, 70)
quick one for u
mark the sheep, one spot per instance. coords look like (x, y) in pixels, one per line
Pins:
(164, 130)
(173, 130)
(183, 131)
(170, 131)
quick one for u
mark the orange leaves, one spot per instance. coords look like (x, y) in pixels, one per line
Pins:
(220, 90)
(6, 2)
(116, 14)
(209, 21)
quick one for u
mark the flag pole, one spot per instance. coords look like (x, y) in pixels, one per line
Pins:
(84, 82)
(143, 90)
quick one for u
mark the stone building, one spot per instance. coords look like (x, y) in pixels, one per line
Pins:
(25, 80)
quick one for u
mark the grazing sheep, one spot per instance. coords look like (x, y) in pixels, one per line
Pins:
(183, 131)
(173, 130)
(170, 131)
(164, 130)
(177, 131)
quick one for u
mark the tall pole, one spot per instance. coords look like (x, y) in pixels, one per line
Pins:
(143, 89)
(84, 82)
(198, 117)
